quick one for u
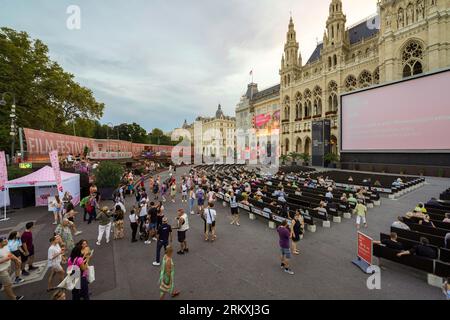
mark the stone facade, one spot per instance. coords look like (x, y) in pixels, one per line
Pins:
(405, 38)
(207, 129)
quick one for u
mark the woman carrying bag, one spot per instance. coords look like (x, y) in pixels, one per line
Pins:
(167, 275)
(78, 268)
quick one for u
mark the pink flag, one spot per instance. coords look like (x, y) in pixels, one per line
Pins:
(55, 165)
(3, 171)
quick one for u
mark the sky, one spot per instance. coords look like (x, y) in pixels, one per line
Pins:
(158, 62)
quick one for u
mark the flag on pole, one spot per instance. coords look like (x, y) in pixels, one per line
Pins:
(3, 171)
(55, 165)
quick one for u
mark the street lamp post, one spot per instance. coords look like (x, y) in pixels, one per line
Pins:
(12, 132)
(108, 125)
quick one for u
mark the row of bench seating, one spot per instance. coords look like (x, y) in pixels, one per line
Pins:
(436, 268)
(360, 180)
(305, 203)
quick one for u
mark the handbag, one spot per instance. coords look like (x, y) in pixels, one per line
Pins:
(70, 281)
(91, 274)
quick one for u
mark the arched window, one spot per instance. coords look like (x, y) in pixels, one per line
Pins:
(365, 79)
(308, 104)
(329, 62)
(287, 108)
(376, 76)
(317, 101)
(350, 83)
(298, 105)
(335, 60)
(333, 98)
(307, 146)
(298, 145)
(412, 59)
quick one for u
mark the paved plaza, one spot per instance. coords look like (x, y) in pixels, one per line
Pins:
(243, 262)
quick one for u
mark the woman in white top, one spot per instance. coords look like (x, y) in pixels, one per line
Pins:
(210, 222)
(55, 254)
(134, 224)
(182, 226)
(184, 192)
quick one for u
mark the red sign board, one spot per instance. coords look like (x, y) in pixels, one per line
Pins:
(365, 247)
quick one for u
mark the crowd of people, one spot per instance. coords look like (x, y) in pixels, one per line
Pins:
(150, 223)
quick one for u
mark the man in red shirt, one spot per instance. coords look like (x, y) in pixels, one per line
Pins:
(28, 247)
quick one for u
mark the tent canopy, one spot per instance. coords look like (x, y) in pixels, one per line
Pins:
(42, 177)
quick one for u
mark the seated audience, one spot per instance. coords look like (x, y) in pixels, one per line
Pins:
(447, 218)
(391, 243)
(447, 241)
(352, 200)
(322, 210)
(420, 208)
(400, 224)
(422, 250)
(426, 221)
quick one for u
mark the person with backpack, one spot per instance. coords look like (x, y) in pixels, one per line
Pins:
(78, 266)
(182, 226)
(200, 195)
(91, 208)
(234, 209)
(210, 222)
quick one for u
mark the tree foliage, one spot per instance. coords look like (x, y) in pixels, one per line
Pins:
(47, 97)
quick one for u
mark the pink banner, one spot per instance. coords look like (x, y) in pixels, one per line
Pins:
(3, 171)
(55, 165)
(262, 119)
(41, 143)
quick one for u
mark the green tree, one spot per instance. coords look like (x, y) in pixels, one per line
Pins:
(47, 97)
(156, 136)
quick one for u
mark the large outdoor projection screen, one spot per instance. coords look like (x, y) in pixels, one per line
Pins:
(406, 116)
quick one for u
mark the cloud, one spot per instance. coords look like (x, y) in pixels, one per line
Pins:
(158, 62)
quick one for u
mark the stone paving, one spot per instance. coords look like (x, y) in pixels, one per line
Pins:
(243, 263)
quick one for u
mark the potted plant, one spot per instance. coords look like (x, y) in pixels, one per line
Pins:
(305, 157)
(107, 178)
(294, 156)
(283, 159)
(330, 160)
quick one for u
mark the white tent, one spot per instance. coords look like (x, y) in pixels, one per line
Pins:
(45, 184)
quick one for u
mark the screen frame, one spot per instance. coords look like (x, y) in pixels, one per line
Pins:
(422, 75)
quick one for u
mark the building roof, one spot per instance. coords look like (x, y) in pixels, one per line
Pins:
(356, 33)
(362, 31)
(272, 91)
(316, 54)
(252, 89)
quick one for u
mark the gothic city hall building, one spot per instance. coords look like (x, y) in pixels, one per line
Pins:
(405, 38)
